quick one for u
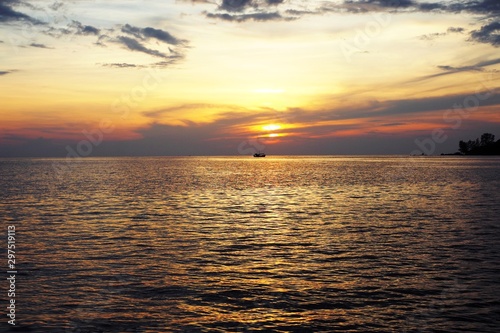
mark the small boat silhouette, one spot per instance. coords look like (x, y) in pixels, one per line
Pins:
(259, 155)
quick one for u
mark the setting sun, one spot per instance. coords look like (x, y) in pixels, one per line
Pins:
(271, 127)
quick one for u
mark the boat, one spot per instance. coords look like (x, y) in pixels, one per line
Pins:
(259, 155)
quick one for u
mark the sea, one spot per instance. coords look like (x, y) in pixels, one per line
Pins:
(243, 244)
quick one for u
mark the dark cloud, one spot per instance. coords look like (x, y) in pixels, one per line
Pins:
(421, 105)
(5, 72)
(482, 6)
(429, 6)
(41, 46)
(248, 10)
(235, 5)
(476, 6)
(160, 35)
(388, 3)
(81, 29)
(489, 34)
(259, 17)
(134, 45)
(457, 30)
(136, 41)
(148, 32)
(72, 29)
(7, 14)
(451, 69)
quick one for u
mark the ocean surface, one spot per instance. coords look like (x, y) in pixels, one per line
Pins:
(242, 244)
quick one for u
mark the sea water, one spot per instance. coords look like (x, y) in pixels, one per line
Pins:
(243, 244)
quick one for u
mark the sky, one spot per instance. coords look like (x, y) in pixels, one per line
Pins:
(232, 77)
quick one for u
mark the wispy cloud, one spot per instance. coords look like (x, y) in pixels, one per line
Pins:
(148, 33)
(171, 51)
(41, 46)
(134, 45)
(382, 111)
(122, 65)
(450, 30)
(259, 17)
(448, 69)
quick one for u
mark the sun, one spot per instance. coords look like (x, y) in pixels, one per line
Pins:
(271, 127)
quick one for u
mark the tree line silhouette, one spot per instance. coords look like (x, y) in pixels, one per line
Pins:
(484, 146)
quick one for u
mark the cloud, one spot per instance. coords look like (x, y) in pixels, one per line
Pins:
(450, 30)
(235, 115)
(7, 14)
(259, 17)
(81, 29)
(148, 32)
(457, 30)
(475, 6)
(172, 60)
(41, 46)
(432, 36)
(489, 33)
(235, 5)
(389, 3)
(372, 129)
(56, 5)
(74, 28)
(131, 37)
(157, 114)
(136, 42)
(422, 105)
(122, 65)
(134, 45)
(5, 72)
(316, 128)
(248, 10)
(481, 6)
(448, 70)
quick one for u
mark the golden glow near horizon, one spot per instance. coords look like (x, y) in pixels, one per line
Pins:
(168, 66)
(269, 91)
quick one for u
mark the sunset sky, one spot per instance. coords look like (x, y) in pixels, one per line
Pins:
(95, 77)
